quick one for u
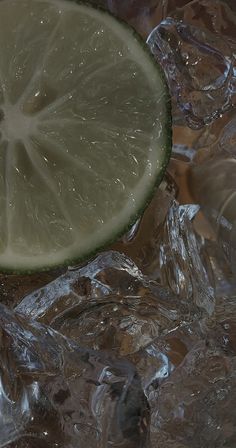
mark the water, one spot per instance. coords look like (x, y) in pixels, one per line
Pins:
(137, 348)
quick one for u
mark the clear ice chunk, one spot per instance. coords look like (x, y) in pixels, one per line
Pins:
(109, 304)
(195, 405)
(199, 68)
(140, 244)
(55, 394)
(214, 16)
(13, 287)
(180, 261)
(212, 180)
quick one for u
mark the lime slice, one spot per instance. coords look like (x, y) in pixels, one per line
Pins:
(85, 131)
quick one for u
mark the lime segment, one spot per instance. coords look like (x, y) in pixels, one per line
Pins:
(85, 131)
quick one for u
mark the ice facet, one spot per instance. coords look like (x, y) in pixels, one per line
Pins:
(217, 16)
(109, 304)
(195, 405)
(56, 393)
(181, 265)
(212, 181)
(198, 65)
(14, 287)
(140, 244)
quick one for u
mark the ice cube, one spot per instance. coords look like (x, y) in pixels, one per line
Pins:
(59, 394)
(199, 67)
(195, 405)
(109, 304)
(181, 265)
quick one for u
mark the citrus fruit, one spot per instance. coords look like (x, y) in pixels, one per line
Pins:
(85, 131)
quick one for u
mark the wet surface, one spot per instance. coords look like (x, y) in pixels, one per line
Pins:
(137, 348)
